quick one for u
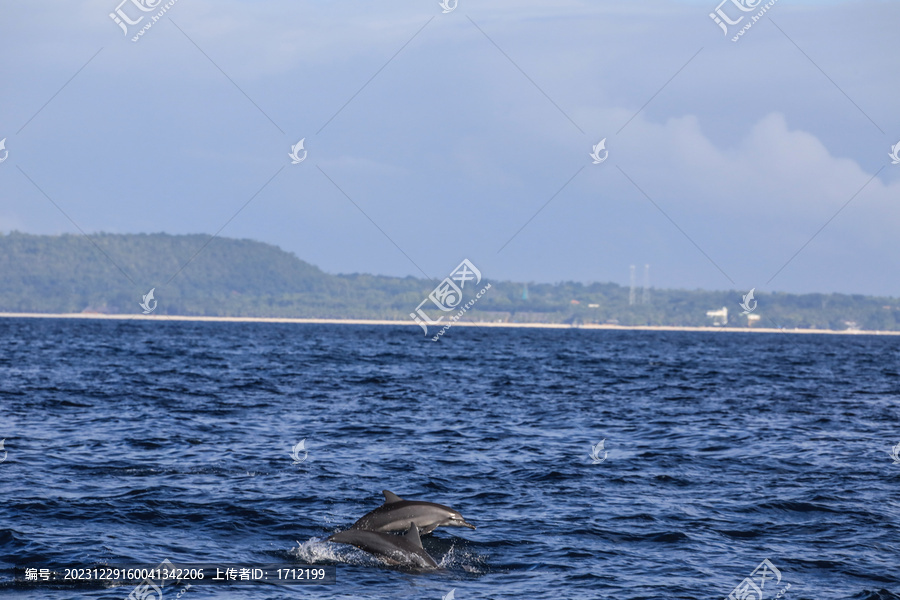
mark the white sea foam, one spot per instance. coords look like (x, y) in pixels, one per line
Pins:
(462, 558)
(317, 550)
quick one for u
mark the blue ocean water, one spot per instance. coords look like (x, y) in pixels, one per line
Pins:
(136, 442)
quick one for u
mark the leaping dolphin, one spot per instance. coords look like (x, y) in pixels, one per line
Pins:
(400, 550)
(396, 513)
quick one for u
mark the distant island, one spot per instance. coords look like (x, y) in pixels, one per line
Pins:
(198, 275)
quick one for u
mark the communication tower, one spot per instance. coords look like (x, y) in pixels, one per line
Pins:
(631, 291)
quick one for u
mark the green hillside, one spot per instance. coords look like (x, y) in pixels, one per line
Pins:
(191, 274)
(200, 275)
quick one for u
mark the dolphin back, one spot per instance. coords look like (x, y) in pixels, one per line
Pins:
(405, 550)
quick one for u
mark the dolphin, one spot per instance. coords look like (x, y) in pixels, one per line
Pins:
(401, 550)
(396, 513)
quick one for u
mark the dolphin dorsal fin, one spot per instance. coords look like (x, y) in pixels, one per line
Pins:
(412, 536)
(391, 497)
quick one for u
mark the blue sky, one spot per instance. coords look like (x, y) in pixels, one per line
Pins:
(434, 137)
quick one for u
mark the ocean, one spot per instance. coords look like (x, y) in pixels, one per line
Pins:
(746, 464)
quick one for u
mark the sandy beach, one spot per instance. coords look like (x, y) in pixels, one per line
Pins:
(435, 328)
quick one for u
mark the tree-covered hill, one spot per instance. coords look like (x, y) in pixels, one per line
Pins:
(201, 275)
(191, 274)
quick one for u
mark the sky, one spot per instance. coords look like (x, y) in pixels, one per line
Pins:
(433, 136)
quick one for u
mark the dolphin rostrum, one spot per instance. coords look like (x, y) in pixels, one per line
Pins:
(402, 550)
(396, 513)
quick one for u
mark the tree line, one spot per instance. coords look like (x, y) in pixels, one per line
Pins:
(201, 275)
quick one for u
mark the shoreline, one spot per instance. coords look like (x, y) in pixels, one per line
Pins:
(160, 318)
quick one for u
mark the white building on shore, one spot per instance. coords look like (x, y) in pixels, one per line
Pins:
(719, 317)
